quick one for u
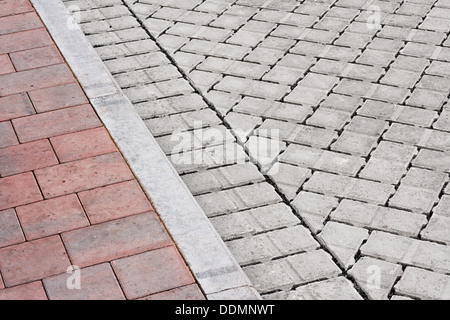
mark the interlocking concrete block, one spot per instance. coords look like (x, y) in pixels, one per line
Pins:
(419, 190)
(389, 162)
(424, 284)
(273, 110)
(264, 247)
(180, 142)
(443, 208)
(222, 178)
(397, 249)
(170, 106)
(380, 218)
(208, 158)
(354, 143)
(271, 217)
(270, 276)
(396, 113)
(342, 102)
(289, 178)
(334, 289)
(352, 188)
(329, 118)
(182, 122)
(375, 277)
(437, 229)
(343, 241)
(322, 160)
(314, 209)
(237, 199)
(223, 101)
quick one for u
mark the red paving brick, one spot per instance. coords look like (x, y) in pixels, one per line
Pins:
(67, 95)
(6, 65)
(55, 123)
(152, 272)
(36, 58)
(83, 175)
(24, 40)
(50, 217)
(33, 260)
(115, 239)
(26, 157)
(8, 7)
(34, 79)
(29, 291)
(113, 202)
(190, 292)
(67, 196)
(84, 144)
(10, 230)
(18, 190)
(7, 136)
(19, 22)
(97, 283)
(15, 106)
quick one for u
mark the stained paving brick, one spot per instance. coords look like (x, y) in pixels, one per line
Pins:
(115, 239)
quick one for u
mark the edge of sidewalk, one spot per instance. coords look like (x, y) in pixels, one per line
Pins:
(212, 264)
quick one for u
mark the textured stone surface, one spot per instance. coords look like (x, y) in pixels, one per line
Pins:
(357, 116)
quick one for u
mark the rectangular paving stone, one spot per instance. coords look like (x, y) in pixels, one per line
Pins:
(115, 239)
(115, 201)
(90, 173)
(83, 144)
(288, 178)
(379, 218)
(10, 230)
(356, 189)
(10, 7)
(437, 229)
(56, 123)
(24, 40)
(33, 79)
(376, 288)
(152, 272)
(423, 284)
(333, 289)
(29, 291)
(15, 106)
(343, 241)
(169, 106)
(6, 65)
(238, 199)
(36, 58)
(97, 283)
(18, 190)
(322, 160)
(33, 260)
(412, 252)
(222, 178)
(46, 218)
(273, 110)
(26, 157)
(8, 137)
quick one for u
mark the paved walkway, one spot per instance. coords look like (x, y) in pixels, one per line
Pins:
(352, 199)
(68, 200)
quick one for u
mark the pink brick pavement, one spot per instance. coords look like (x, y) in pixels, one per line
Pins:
(67, 196)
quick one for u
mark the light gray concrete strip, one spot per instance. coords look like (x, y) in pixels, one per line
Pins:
(211, 262)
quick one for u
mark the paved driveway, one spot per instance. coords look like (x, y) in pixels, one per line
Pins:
(314, 134)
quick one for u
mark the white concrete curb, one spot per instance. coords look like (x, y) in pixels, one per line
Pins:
(212, 264)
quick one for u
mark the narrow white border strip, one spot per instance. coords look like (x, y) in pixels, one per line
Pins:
(212, 264)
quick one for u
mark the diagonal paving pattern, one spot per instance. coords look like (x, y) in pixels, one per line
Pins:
(350, 98)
